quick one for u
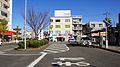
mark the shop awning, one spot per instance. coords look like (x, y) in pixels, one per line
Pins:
(9, 33)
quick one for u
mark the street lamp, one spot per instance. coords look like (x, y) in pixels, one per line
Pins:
(106, 46)
(25, 24)
(107, 23)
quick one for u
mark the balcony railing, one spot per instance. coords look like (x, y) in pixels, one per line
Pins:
(77, 28)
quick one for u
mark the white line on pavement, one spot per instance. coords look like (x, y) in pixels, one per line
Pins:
(19, 54)
(37, 60)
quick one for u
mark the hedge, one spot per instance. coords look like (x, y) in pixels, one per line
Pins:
(33, 43)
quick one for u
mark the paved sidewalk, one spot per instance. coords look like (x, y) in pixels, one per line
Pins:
(110, 48)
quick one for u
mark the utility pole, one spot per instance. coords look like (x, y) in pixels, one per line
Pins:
(25, 25)
(106, 22)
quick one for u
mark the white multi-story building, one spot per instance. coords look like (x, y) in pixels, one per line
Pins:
(63, 25)
(6, 11)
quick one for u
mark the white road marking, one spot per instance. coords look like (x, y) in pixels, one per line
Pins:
(63, 59)
(37, 60)
(8, 49)
(1, 52)
(80, 61)
(51, 51)
(69, 63)
(56, 48)
(19, 54)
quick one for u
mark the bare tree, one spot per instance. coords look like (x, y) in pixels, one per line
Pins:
(37, 21)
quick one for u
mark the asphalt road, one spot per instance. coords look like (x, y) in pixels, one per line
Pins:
(75, 56)
(94, 56)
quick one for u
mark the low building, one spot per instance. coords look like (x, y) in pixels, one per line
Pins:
(96, 30)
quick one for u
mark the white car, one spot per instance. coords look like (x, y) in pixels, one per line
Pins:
(0, 43)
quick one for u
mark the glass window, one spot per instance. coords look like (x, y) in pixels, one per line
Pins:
(57, 31)
(0, 13)
(57, 26)
(0, 4)
(51, 20)
(51, 26)
(67, 26)
(67, 20)
(67, 32)
(58, 20)
(100, 25)
(92, 25)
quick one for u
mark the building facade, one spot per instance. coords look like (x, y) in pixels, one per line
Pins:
(64, 26)
(118, 29)
(96, 30)
(6, 12)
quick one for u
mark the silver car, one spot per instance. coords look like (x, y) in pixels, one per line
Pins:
(72, 41)
(86, 41)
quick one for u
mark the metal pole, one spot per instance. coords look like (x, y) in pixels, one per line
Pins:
(25, 25)
(106, 46)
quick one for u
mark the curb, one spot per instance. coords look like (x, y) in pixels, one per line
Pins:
(32, 49)
(115, 51)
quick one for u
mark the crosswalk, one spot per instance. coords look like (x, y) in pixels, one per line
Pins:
(56, 48)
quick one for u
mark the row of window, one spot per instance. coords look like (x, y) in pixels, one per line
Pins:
(59, 32)
(58, 20)
(93, 25)
(59, 26)
(3, 5)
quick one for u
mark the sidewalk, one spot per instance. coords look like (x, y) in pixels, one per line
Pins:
(110, 48)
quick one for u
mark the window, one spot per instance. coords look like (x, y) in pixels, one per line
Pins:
(57, 31)
(100, 25)
(6, 0)
(51, 26)
(67, 20)
(58, 20)
(57, 26)
(67, 32)
(92, 25)
(0, 13)
(51, 20)
(67, 26)
(0, 4)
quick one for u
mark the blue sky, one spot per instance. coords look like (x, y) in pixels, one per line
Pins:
(90, 10)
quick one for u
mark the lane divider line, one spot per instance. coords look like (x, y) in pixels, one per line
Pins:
(37, 60)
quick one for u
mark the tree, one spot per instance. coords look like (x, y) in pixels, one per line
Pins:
(3, 27)
(17, 31)
(37, 21)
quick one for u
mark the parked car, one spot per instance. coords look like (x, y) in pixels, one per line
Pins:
(72, 41)
(85, 41)
(0, 43)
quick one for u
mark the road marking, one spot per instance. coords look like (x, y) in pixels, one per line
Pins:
(8, 49)
(51, 51)
(69, 63)
(1, 52)
(37, 60)
(19, 54)
(79, 61)
(63, 59)
(56, 48)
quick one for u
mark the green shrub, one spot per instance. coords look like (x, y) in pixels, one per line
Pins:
(21, 44)
(46, 41)
(33, 43)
